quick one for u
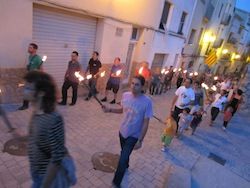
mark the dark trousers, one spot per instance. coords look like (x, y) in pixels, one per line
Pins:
(225, 124)
(176, 117)
(127, 146)
(92, 87)
(25, 103)
(214, 113)
(66, 85)
(153, 88)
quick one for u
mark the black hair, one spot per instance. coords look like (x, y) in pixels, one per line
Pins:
(75, 52)
(95, 52)
(187, 110)
(43, 82)
(141, 78)
(191, 81)
(197, 82)
(240, 92)
(35, 46)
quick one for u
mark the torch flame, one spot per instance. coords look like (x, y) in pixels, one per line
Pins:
(102, 74)
(196, 73)
(89, 76)
(179, 69)
(216, 78)
(191, 74)
(80, 77)
(44, 58)
(20, 85)
(175, 69)
(163, 71)
(140, 70)
(118, 72)
(185, 71)
(214, 88)
(204, 86)
(167, 72)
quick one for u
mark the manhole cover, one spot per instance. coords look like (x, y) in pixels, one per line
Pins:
(104, 161)
(217, 158)
(16, 146)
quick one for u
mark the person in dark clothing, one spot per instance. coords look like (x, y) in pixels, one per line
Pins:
(197, 118)
(236, 100)
(168, 79)
(93, 68)
(179, 80)
(70, 79)
(155, 82)
(114, 80)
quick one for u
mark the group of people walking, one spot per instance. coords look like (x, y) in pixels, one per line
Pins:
(48, 154)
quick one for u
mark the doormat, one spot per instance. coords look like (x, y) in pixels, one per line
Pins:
(104, 161)
(16, 146)
(217, 158)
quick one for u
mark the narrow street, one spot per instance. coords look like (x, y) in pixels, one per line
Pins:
(185, 164)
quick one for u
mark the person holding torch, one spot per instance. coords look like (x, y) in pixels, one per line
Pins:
(137, 110)
(70, 80)
(35, 63)
(114, 80)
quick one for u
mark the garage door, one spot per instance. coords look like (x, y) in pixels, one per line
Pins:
(58, 33)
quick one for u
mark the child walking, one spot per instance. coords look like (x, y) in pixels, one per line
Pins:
(185, 120)
(197, 118)
(168, 133)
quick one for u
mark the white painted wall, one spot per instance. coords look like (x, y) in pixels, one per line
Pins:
(142, 12)
(108, 44)
(15, 32)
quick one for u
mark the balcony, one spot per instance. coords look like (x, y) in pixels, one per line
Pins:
(226, 19)
(209, 12)
(232, 39)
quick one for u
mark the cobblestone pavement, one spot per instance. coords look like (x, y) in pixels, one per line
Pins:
(89, 130)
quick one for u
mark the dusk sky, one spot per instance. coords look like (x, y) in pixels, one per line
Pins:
(243, 4)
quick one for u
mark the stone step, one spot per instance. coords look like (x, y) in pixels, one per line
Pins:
(207, 173)
(178, 177)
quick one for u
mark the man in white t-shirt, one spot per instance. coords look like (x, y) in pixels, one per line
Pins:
(184, 97)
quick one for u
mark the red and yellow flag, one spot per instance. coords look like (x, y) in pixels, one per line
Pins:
(211, 58)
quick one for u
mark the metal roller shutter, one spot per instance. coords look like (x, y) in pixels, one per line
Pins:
(58, 33)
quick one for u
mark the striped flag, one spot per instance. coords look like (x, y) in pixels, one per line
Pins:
(211, 58)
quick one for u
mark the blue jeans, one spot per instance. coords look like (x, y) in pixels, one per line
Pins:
(37, 180)
(127, 146)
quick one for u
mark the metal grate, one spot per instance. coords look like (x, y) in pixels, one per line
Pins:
(217, 158)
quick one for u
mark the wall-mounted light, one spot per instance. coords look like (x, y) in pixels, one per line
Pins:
(225, 51)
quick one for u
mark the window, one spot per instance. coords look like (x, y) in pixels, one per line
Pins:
(183, 17)
(164, 16)
(240, 30)
(220, 10)
(135, 34)
(192, 35)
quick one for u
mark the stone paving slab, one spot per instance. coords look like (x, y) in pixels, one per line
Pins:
(89, 130)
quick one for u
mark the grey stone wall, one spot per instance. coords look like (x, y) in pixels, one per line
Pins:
(9, 80)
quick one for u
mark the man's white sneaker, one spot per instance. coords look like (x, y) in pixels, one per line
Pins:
(224, 128)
